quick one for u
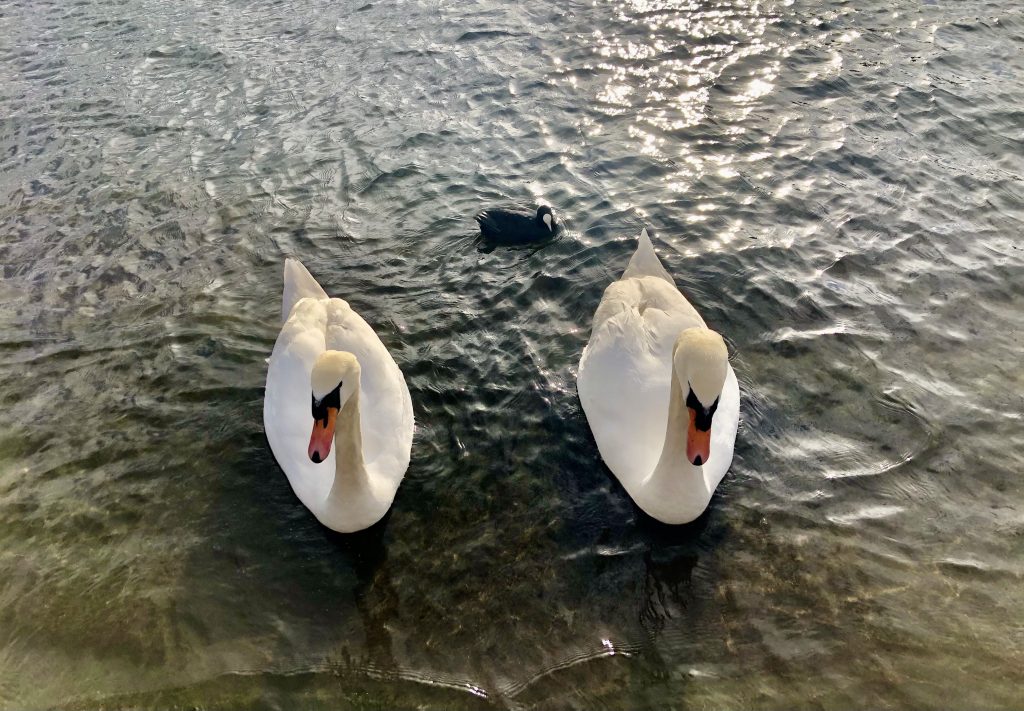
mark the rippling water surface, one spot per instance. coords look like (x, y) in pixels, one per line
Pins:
(838, 186)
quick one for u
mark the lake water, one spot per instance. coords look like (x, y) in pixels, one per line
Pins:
(837, 186)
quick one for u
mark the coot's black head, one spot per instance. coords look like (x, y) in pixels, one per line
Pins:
(546, 218)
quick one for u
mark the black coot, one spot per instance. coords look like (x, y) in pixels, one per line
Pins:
(517, 226)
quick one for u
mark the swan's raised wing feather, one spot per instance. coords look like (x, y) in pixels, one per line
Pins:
(298, 284)
(645, 262)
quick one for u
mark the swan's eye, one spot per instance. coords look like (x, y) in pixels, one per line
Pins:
(692, 402)
(701, 415)
(331, 399)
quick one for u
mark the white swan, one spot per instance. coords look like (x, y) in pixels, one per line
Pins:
(658, 391)
(331, 381)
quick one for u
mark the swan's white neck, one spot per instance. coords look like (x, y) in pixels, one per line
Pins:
(351, 481)
(676, 491)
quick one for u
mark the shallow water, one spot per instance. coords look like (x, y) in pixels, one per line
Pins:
(838, 188)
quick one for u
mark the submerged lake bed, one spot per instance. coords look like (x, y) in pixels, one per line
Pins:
(837, 189)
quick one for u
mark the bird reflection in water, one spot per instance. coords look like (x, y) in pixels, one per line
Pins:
(374, 592)
(669, 560)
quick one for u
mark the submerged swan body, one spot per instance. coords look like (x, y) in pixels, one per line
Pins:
(659, 393)
(337, 411)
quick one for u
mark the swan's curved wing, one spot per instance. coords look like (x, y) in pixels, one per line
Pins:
(287, 420)
(385, 406)
(625, 372)
(723, 432)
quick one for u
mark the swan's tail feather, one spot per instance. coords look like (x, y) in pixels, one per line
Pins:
(645, 262)
(298, 284)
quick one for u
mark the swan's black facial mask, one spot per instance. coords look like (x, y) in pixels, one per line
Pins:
(331, 399)
(701, 415)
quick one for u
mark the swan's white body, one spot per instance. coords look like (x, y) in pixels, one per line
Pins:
(343, 498)
(625, 383)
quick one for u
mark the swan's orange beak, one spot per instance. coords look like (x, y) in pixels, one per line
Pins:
(698, 442)
(322, 437)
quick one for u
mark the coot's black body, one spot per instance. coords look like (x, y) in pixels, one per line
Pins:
(516, 226)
